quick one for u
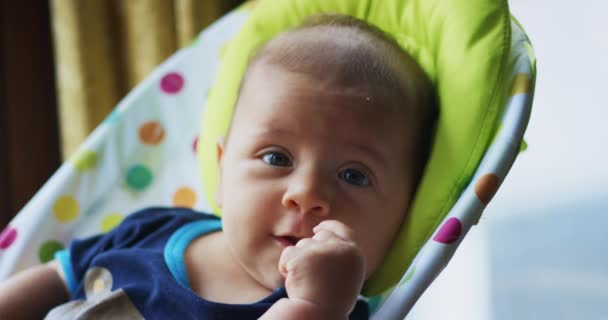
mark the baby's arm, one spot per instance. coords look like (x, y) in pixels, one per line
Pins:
(323, 275)
(32, 293)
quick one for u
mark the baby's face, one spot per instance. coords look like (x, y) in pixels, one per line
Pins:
(300, 152)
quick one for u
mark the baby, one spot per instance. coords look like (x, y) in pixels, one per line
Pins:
(327, 143)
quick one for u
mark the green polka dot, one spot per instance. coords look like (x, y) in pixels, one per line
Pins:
(84, 160)
(138, 177)
(110, 221)
(47, 251)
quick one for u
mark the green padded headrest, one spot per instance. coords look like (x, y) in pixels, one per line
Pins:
(463, 45)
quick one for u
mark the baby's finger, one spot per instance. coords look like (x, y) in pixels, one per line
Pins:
(287, 255)
(324, 235)
(338, 228)
(306, 242)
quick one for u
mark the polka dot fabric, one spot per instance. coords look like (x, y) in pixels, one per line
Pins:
(143, 154)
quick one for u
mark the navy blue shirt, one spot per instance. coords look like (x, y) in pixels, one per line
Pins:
(142, 261)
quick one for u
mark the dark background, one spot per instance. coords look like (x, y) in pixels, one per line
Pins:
(29, 136)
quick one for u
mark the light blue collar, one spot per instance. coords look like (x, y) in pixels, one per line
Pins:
(175, 249)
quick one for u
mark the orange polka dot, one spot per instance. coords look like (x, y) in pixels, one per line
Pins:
(151, 133)
(184, 197)
(486, 187)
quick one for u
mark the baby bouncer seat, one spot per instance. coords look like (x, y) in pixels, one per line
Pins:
(153, 148)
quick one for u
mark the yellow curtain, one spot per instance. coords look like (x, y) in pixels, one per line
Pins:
(103, 48)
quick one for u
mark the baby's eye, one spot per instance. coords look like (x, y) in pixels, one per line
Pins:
(278, 159)
(354, 177)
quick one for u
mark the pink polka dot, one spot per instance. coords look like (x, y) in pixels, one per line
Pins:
(172, 83)
(195, 144)
(449, 232)
(7, 237)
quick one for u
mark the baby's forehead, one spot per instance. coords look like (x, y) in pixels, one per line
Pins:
(265, 79)
(279, 98)
(340, 55)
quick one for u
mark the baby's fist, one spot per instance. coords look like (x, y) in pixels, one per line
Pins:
(326, 270)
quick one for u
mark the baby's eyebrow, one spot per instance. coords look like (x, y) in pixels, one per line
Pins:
(372, 152)
(272, 130)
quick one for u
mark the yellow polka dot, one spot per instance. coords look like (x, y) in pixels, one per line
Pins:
(66, 209)
(184, 197)
(84, 159)
(110, 221)
(521, 84)
(99, 286)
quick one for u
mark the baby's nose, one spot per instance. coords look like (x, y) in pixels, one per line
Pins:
(308, 195)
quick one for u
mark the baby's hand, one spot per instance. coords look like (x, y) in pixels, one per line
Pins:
(326, 270)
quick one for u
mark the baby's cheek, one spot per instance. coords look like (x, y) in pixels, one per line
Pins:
(372, 261)
(375, 246)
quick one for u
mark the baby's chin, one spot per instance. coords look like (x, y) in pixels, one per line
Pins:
(272, 280)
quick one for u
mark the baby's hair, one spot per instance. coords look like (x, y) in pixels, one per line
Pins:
(345, 52)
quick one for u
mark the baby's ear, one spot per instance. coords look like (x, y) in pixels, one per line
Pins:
(220, 152)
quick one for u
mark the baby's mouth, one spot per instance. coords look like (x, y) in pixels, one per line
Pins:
(287, 241)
